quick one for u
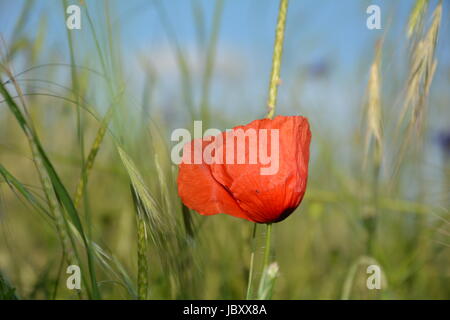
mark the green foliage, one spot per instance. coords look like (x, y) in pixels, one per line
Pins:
(6, 291)
(70, 156)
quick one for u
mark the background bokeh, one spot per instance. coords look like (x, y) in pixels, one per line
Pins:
(143, 68)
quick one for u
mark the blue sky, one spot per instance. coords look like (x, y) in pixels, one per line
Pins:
(324, 34)
(245, 22)
(327, 56)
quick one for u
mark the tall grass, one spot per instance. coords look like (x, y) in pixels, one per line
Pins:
(86, 176)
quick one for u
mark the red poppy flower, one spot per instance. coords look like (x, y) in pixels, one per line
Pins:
(227, 179)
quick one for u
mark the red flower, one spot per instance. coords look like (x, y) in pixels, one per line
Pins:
(262, 191)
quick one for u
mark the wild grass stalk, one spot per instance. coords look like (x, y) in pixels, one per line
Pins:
(142, 246)
(271, 104)
(49, 180)
(275, 79)
(162, 227)
(267, 282)
(416, 17)
(374, 135)
(89, 163)
(423, 64)
(80, 128)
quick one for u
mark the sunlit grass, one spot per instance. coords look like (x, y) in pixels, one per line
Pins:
(86, 178)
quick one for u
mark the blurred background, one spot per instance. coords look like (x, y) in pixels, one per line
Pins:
(92, 151)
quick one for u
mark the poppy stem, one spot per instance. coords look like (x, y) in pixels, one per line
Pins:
(271, 102)
(252, 258)
(267, 249)
(276, 60)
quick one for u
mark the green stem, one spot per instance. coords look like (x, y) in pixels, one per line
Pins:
(272, 98)
(252, 258)
(267, 249)
(142, 260)
(276, 60)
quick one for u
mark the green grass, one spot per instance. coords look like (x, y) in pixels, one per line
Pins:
(84, 180)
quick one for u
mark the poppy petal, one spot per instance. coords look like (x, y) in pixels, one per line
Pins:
(270, 198)
(197, 187)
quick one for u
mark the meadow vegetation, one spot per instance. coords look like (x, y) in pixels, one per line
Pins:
(86, 177)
